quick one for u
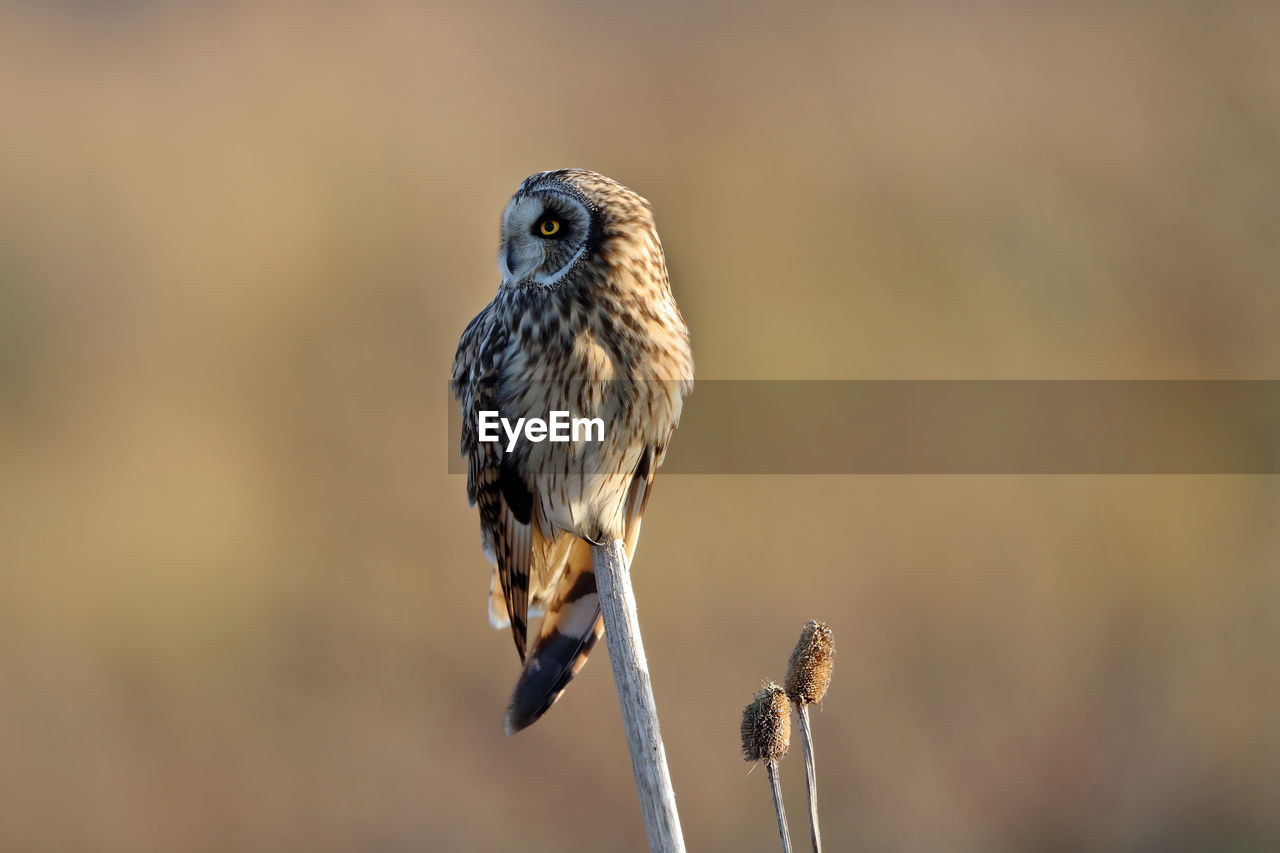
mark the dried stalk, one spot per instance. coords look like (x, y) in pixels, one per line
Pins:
(635, 697)
(775, 782)
(766, 736)
(810, 776)
(808, 679)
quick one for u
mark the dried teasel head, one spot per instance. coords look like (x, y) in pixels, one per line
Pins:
(766, 725)
(809, 672)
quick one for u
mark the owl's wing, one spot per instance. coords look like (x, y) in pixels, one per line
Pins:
(493, 482)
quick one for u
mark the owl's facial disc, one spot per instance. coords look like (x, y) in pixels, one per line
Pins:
(544, 234)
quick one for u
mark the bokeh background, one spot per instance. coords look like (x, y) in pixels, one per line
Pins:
(242, 601)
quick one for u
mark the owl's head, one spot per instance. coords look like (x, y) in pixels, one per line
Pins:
(560, 222)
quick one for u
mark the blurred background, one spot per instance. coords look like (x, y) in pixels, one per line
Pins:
(242, 602)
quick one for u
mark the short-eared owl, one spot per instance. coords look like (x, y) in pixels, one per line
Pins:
(584, 322)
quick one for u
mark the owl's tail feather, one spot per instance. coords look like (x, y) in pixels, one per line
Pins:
(569, 631)
(573, 623)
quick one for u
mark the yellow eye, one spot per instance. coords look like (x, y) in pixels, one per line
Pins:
(549, 227)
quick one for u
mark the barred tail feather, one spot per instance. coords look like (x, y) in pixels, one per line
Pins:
(571, 628)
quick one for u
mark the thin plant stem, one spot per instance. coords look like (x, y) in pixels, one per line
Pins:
(810, 776)
(775, 782)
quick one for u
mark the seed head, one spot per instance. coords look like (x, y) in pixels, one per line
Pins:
(809, 672)
(766, 725)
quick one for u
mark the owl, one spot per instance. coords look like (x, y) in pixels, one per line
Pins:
(584, 322)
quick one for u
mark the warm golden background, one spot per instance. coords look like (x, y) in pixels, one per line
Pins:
(242, 602)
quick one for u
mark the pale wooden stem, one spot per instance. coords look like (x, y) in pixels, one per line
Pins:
(776, 784)
(810, 775)
(635, 697)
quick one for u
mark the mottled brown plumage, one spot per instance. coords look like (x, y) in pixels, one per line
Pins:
(583, 322)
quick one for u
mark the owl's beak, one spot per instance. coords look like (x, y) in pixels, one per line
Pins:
(509, 263)
(512, 268)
